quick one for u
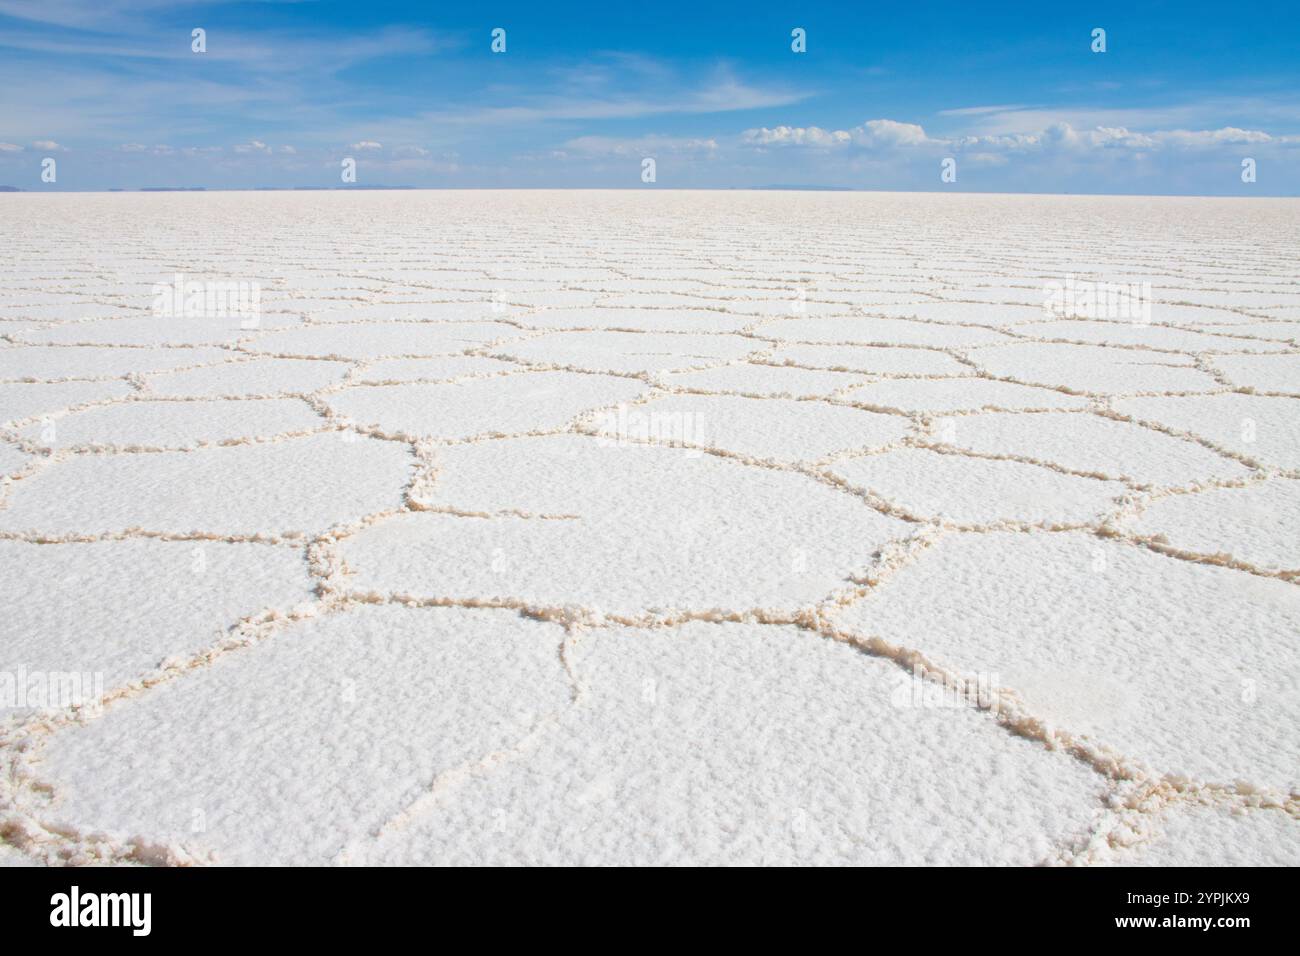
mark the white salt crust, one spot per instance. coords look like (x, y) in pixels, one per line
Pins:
(615, 528)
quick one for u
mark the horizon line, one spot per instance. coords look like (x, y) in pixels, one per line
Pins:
(7, 190)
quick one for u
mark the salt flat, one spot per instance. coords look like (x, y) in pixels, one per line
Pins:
(649, 527)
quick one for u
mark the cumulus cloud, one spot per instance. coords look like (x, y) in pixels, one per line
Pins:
(10, 148)
(1218, 137)
(796, 136)
(49, 146)
(367, 144)
(871, 134)
(253, 146)
(887, 134)
(1064, 136)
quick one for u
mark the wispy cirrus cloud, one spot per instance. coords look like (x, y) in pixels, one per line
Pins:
(263, 52)
(82, 14)
(723, 94)
(637, 146)
(981, 110)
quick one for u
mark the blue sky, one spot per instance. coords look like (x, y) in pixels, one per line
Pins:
(584, 92)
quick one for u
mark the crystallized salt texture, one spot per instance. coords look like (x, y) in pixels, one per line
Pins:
(611, 528)
(745, 744)
(292, 486)
(1191, 669)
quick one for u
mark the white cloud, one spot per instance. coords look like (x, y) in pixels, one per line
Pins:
(1065, 136)
(886, 134)
(367, 144)
(1229, 135)
(160, 149)
(1207, 114)
(797, 136)
(253, 146)
(49, 146)
(877, 133)
(1009, 142)
(10, 148)
(639, 146)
